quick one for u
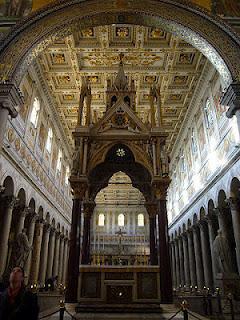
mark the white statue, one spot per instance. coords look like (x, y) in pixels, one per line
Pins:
(21, 249)
(76, 161)
(222, 254)
(85, 95)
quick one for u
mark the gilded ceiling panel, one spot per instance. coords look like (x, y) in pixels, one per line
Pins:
(151, 56)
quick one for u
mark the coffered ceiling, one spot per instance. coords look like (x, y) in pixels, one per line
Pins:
(120, 192)
(151, 55)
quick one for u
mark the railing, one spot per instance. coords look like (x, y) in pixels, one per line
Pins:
(184, 309)
(61, 312)
(217, 305)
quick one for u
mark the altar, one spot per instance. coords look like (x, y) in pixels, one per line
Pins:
(119, 285)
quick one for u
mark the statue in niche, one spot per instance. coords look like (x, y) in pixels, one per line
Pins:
(19, 255)
(76, 162)
(18, 8)
(85, 96)
(230, 8)
(20, 251)
(154, 95)
(222, 256)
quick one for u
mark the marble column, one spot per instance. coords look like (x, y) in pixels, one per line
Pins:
(85, 153)
(65, 260)
(181, 262)
(206, 256)
(235, 212)
(9, 202)
(56, 255)
(197, 252)
(178, 282)
(31, 230)
(61, 261)
(10, 98)
(74, 245)
(37, 243)
(51, 250)
(88, 212)
(164, 257)
(192, 263)
(186, 260)
(173, 264)
(212, 236)
(44, 254)
(152, 209)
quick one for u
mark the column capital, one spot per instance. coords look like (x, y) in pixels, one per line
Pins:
(160, 186)
(47, 227)
(180, 238)
(88, 207)
(176, 239)
(151, 209)
(33, 216)
(11, 98)
(231, 98)
(209, 218)
(25, 211)
(218, 211)
(184, 236)
(39, 223)
(52, 230)
(79, 186)
(195, 227)
(57, 234)
(10, 201)
(233, 203)
(202, 225)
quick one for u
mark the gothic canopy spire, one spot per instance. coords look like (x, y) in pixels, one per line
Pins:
(121, 80)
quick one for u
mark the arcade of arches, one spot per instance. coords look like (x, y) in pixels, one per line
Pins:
(120, 144)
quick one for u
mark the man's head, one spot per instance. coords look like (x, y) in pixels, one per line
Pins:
(16, 278)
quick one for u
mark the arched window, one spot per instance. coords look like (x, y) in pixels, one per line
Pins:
(49, 140)
(59, 160)
(101, 220)
(208, 112)
(141, 220)
(182, 162)
(35, 112)
(193, 142)
(121, 220)
(67, 175)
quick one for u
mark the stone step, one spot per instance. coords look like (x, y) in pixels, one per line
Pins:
(116, 308)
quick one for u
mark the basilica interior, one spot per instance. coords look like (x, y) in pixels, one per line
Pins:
(119, 161)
